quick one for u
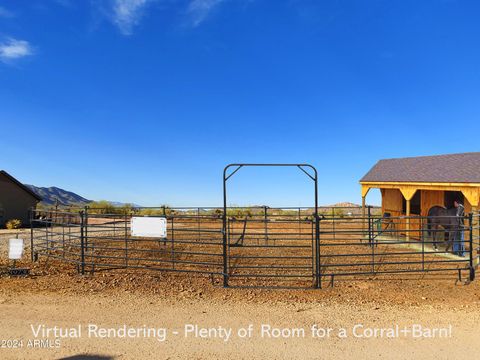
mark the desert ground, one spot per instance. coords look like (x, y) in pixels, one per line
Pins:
(57, 296)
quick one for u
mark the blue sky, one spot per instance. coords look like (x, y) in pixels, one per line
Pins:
(147, 101)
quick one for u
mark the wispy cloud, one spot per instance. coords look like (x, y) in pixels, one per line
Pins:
(198, 10)
(13, 49)
(5, 13)
(126, 14)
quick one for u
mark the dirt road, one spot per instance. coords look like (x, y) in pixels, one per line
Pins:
(172, 302)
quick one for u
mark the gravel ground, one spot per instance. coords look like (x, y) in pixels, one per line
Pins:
(54, 294)
(171, 301)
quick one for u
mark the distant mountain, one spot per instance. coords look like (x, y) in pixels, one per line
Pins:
(344, 204)
(53, 194)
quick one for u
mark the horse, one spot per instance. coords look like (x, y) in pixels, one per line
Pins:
(439, 216)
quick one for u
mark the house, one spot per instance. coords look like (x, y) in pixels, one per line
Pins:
(16, 199)
(411, 186)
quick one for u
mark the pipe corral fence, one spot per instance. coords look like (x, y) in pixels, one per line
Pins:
(259, 246)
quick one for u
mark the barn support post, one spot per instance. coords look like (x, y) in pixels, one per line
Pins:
(473, 197)
(408, 192)
(407, 225)
(363, 214)
(365, 190)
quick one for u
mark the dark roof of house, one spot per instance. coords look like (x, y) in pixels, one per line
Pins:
(454, 168)
(24, 187)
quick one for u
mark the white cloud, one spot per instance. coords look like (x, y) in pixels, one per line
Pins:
(127, 14)
(13, 49)
(5, 13)
(200, 9)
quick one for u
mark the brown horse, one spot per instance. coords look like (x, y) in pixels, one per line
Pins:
(440, 217)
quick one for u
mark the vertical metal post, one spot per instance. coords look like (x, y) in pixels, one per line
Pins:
(423, 244)
(224, 230)
(333, 224)
(265, 218)
(47, 244)
(126, 239)
(31, 234)
(198, 225)
(299, 221)
(318, 281)
(477, 248)
(370, 237)
(172, 251)
(86, 227)
(63, 237)
(82, 243)
(470, 225)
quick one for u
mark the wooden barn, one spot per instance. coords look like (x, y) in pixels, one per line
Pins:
(16, 199)
(411, 186)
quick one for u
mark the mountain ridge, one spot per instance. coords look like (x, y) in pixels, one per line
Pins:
(51, 195)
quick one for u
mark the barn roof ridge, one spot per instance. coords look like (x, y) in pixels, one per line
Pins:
(433, 156)
(445, 168)
(23, 186)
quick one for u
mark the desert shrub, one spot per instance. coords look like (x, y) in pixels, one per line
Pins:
(239, 213)
(101, 207)
(338, 213)
(105, 207)
(13, 224)
(163, 210)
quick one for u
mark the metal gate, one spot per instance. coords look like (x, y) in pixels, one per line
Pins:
(279, 246)
(277, 250)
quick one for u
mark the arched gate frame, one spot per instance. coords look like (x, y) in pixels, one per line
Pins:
(314, 177)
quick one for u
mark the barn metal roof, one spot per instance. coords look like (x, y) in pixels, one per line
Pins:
(24, 187)
(451, 168)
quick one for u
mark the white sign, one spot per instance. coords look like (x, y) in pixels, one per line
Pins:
(15, 249)
(149, 226)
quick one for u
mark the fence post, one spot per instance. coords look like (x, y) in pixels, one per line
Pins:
(470, 225)
(225, 257)
(31, 235)
(370, 237)
(126, 238)
(82, 242)
(265, 216)
(318, 280)
(85, 223)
